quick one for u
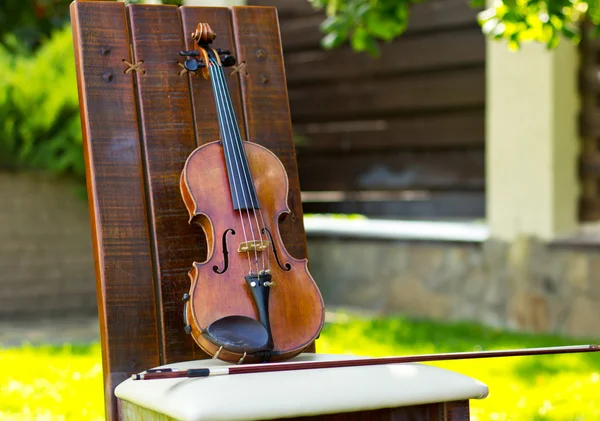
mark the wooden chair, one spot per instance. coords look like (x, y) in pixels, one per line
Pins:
(142, 115)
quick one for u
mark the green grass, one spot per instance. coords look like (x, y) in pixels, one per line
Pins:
(65, 383)
(51, 383)
(549, 388)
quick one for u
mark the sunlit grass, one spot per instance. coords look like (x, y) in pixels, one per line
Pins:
(65, 383)
(550, 387)
(51, 383)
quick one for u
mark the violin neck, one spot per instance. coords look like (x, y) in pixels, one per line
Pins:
(241, 185)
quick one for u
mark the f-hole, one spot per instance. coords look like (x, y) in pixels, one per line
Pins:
(287, 265)
(225, 254)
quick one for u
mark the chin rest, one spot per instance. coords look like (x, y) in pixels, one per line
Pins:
(274, 395)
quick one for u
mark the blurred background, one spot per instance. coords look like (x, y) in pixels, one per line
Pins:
(450, 186)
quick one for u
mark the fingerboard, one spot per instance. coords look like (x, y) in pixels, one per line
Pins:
(241, 185)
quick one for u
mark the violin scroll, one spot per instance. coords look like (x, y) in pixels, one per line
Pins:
(203, 34)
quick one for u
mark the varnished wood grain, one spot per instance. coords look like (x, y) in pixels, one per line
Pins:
(167, 129)
(266, 107)
(296, 309)
(126, 296)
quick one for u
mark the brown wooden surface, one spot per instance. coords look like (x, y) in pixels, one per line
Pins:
(453, 48)
(426, 91)
(168, 138)
(301, 31)
(134, 141)
(430, 131)
(266, 106)
(589, 161)
(417, 92)
(295, 306)
(126, 296)
(205, 112)
(394, 171)
(139, 127)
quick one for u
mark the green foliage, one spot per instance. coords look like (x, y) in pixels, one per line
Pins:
(40, 126)
(543, 21)
(31, 21)
(365, 23)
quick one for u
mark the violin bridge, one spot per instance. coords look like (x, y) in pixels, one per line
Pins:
(254, 245)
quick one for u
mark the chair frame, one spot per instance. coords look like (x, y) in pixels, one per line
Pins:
(142, 115)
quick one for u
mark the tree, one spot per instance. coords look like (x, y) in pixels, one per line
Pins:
(30, 21)
(364, 23)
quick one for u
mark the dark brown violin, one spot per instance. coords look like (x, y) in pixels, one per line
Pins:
(250, 301)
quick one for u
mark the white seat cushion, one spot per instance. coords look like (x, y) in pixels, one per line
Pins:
(298, 393)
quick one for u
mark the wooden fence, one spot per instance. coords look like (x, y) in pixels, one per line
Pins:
(589, 164)
(401, 136)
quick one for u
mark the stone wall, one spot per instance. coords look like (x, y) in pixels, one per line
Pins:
(46, 260)
(46, 269)
(527, 286)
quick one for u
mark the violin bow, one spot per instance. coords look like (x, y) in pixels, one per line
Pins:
(170, 373)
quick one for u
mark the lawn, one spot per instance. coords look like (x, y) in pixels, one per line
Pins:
(65, 383)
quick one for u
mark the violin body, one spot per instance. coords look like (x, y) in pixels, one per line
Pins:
(219, 285)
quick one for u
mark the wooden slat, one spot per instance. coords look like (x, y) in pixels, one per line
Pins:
(448, 49)
(589, 165)
(125, 287)
(447, 170)
(589, 209)
(437, 15)
(168, 138)
(301, 32)
(286, 8)
(431, 130)
(266, 106)
(205, 111)
(372, 97)
(433, 205)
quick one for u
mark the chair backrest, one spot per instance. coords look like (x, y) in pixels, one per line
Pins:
(141, 118)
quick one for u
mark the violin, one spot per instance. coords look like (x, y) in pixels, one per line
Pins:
(250, 301)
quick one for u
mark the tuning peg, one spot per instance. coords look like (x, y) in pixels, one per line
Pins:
(192, 64)
(191, 53)
(228, 61)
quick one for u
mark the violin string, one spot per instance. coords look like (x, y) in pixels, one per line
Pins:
(225, 148)
(249, 185)
(222, 92)
(240, 161)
